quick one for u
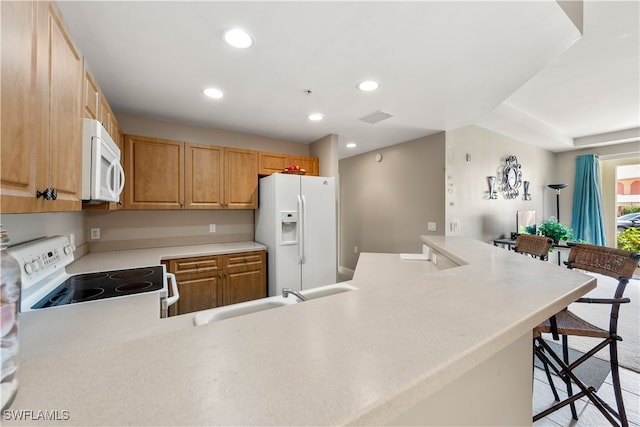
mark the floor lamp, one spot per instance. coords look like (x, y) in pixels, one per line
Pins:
(557, 187)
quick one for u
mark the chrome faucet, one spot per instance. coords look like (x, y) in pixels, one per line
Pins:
(287, 291)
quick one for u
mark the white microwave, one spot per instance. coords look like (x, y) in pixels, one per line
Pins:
(102, 173)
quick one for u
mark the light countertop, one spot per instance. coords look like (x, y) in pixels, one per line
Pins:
(111, 260)
(358, 357)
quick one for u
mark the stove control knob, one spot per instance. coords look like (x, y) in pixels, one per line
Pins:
(28, 268)
(37, 264)
(68, 250)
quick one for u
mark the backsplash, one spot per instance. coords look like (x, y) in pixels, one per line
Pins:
(25, 227)
(149, 229)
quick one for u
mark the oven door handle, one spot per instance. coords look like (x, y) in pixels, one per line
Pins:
(174, 288)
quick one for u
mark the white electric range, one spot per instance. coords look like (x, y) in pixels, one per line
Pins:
(47, 285)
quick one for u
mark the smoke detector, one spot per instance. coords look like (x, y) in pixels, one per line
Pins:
(376, 117)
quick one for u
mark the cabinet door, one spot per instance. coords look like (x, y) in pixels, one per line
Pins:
(104, 111)
(269, 163)
(241, 179)
(64, 115)
(91, 95)
(199, 283)
(154, 171)
(22, 152)
(113, 127)
(204, 165)
(309, 164)
(198, 292)
(244, 277)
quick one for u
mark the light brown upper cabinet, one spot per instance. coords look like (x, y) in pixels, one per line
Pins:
(96, 105)
(204, 187)
(269, 163)
(41, 111)
(220, 177)
(240, 178)
(90, 95)
(212, 177)
(154, 171)
(310, 164)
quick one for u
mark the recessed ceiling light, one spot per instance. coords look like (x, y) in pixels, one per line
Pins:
(351, 145)
(238, 38)
(315, 117)
(368, 86)
(212, 92)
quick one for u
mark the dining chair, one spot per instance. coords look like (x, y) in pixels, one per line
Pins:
(536, 246)
(610, 262)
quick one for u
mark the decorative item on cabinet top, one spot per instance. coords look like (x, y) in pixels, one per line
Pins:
(294, 170)
(511, 177)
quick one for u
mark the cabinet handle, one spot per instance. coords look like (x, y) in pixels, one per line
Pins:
(47, 194)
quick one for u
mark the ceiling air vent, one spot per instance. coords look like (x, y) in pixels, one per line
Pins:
(376, 117)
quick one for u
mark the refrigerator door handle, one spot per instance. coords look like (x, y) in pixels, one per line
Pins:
(300, 231)
(304, 227)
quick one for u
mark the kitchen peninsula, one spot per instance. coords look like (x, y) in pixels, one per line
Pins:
(413, 344)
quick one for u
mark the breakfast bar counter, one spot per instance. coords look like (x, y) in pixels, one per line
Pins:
(413, 344)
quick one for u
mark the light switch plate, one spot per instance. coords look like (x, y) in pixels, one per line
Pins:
(431, 226)
(212, 228)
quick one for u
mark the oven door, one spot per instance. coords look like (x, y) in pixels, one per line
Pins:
(107, 177)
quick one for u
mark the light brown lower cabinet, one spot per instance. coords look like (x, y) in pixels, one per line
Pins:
(244, 277)
(212, 281)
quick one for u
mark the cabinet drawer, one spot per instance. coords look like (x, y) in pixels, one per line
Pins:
(195, 265)
(244, 260)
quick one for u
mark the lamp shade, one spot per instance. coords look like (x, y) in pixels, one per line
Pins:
(557, 186)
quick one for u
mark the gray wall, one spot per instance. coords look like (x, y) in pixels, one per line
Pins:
(467, 193)
(25, 227)
(385, 206)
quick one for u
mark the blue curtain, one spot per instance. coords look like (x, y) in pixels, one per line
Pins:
(588, 220)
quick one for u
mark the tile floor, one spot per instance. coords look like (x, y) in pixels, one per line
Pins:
(588, 415)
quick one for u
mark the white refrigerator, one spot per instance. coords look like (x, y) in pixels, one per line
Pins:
(296, 220)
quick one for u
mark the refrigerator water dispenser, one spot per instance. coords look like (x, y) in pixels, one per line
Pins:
(289, 221)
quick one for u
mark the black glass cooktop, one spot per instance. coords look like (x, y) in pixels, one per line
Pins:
(104, 284)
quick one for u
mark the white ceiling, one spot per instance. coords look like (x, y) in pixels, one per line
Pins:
(519, 68)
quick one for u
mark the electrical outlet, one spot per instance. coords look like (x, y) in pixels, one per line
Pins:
(431, 226)
(355, 249)
(453, 226)
(95, 234)
(212, 228)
